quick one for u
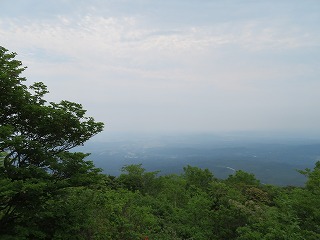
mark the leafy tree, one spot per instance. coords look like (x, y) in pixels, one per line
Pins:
(313, 182)
(173, 190)
(228, 210)
(197, 177)
(272, 224)
(305, 205)
(257, 195)
(35, 139)
(242, 179)
(195, 217)
(135, 178)
(132, 178)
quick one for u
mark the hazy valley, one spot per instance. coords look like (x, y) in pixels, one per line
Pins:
(273, 159)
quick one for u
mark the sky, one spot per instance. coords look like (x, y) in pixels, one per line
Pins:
(174, 66)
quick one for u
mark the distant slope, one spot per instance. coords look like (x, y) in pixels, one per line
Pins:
(272, 163)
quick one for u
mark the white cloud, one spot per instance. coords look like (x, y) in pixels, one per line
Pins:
(95, 45)
(92, 34)
(122, 62)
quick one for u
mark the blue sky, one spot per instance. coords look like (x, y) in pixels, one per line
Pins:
(175, 66)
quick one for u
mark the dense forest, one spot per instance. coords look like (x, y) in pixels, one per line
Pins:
(50, 192)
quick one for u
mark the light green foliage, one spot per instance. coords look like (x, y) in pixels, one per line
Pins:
(237, 208)
(273, 223)
(197, 177)
(83, 213)
(135, 178)
(313, 182)
(173, 190)
(35, 137)
(242, 179)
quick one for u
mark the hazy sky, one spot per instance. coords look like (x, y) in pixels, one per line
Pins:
(174, 65)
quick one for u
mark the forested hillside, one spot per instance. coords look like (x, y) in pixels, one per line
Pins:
(48, 192)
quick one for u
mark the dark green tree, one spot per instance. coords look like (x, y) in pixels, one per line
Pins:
(35, 139)
(197, 177)
(243, 179)
(313, 182)
(135, 178)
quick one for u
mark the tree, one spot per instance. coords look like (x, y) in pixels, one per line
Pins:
(197, 177)
(313, 182)
(134, 177)
(35, 139)
(243, 179)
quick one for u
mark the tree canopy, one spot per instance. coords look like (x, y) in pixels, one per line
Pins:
(35, 139)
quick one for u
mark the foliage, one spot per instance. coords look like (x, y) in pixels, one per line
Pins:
(135, 178)
(35, 139)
